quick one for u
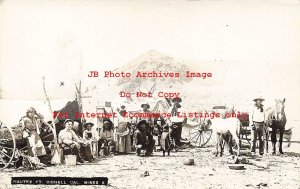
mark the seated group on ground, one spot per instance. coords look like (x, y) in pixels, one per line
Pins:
(113, 137)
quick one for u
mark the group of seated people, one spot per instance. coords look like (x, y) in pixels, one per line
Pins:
(118, 137)
(87, 147)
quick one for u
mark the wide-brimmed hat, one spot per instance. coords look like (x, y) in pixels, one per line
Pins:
(147, 105)
(259, 98)
(31, 109)
(68, 120)
(108, 120)
(177, 99)
(88, 123)
(140, 123)
(110, 124)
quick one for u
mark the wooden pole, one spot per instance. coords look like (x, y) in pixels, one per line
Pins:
(79, 99)
(56, 156)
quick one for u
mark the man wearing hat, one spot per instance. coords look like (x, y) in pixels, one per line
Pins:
(122, 111)
(257, 119)
(147, 116)
(69, 141)
(177, 121)
(145, 107)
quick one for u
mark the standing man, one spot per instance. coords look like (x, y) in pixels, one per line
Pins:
(176, 121)
(147, 116)
(257, 119)
(145, 110)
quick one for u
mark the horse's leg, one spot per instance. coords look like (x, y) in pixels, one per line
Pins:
(274, 138)
(230, 144)
(222, 145)
(238, 143)
(217, 145)
(290, 137)
(281, 131)
(239, 146)
(230, 150)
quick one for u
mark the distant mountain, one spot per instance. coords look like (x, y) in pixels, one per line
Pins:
(149, 62)
(190, 89)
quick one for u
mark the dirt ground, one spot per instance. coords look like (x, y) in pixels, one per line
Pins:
(124, 171)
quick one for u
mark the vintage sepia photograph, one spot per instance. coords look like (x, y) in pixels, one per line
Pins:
(163, 94)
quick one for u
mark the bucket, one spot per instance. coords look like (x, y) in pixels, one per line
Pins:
(70, 160)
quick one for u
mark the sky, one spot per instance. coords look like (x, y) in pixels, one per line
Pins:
(64, 40)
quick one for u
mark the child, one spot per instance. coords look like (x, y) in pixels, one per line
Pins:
(166, 143)
(91, 137)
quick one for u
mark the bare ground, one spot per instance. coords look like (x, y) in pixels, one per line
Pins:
(124, 171)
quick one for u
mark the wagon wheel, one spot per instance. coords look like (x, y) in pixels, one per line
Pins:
(244, 134)
(199, 136)
(7, 146)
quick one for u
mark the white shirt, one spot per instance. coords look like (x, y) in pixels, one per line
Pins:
(175, 118)
(255, 115)
(120, 119)
(94, 133)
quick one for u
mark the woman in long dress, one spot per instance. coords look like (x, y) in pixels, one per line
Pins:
(123, 140)
(31, 129)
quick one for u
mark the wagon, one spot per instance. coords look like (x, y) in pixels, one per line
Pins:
(246, 130)
(200, 135)
(7, 145)
(12, 143)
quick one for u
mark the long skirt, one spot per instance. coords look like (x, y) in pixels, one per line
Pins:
(123, 144)
(35, 145)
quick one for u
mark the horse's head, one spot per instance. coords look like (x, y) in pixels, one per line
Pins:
(279, 109)
(205, 123)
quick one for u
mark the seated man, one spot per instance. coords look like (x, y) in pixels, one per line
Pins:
(144, 139)
(69, 141)
(106, 138)
(85, 150)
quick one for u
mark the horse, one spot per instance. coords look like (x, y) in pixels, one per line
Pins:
(276, 120)
(225, 129)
